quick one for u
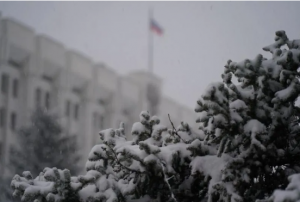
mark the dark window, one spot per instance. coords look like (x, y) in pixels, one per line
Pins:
(2, 117)
(14, 63)
(47, 100)
(1, 147)
(38, 93)
(13, 121)
(118, 124)
(68, 104)
(4, 83)
(76, 111)
(101, 122)
(15, 88)
(95, 119)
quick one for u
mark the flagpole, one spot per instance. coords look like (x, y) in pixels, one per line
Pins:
(150, 43)
(150, 58)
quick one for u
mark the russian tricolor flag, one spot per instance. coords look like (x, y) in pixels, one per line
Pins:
(154, 26)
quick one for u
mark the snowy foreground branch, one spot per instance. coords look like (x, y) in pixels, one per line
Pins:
(247, 146)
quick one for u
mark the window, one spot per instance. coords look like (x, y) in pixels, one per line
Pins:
(118, 124)
(1, 147)
(101, 122)
(14, 63)
(4, 83)
(68, 103)
(13, 120)
(47, 100)
(2, 117)
(38, 93)
(95, 119)
(15, 88)
(76, 111)
(98, 121)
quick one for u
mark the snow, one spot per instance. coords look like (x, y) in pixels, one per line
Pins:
(144, 117)
(149, 149)
(41, 186)
(272, 68)
(90, 176)
(190, 136)
(103, 183)
(292, 54)
(142, 199)
(157, 131)
(125, 187)
(97, 151)
(210, 166)
(87, 191)
(238, 105)
(291, 193)
(285, 94)
(138, 128)
(254, 128)
(217, 90)
(280, 40)
(134, 150)
(27, 175)
(294, 44)
(166, 154)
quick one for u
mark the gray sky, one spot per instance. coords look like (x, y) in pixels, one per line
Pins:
(199, 36)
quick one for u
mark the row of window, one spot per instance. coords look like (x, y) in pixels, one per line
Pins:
(15, 90)
(38, 98)
(13, 119)
(98, 121)
(68, 110)
(5, 85)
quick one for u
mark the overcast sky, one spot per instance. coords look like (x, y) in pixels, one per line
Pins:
(199, 36)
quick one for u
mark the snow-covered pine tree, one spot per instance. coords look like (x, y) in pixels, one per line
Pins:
(253, 124)
(291, 193)
(247, 146)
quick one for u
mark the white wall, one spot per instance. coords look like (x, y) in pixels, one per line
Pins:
(80, 64)
(106, 77)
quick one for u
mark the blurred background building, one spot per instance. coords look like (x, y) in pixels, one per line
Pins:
(87, 97)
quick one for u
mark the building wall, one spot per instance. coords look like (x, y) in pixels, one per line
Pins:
(142, 79)
(17, 46)
(73, 83)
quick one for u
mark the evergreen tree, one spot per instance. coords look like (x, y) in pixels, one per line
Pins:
(291, 193)
(5, 190)
(39, 145)
(253, 124)
(42, 144)
(247, 146)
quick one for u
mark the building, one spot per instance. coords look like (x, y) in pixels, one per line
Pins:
(36, 70)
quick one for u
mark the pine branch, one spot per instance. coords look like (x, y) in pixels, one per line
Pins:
(167, 182)
(174, 129)
(123, 166)
(295, 147)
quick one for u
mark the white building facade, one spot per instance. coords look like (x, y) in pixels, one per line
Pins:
(86, 96)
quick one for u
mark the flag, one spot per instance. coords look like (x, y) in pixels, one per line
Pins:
(154, 26)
